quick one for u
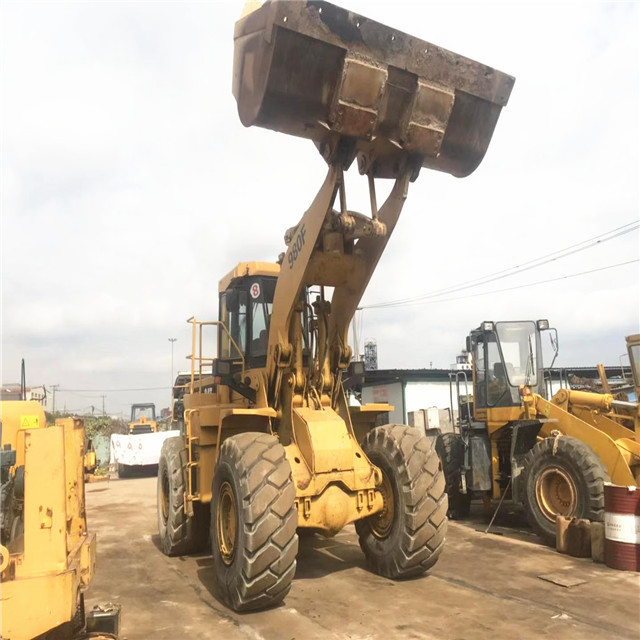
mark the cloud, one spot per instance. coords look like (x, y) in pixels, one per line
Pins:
(129, 186)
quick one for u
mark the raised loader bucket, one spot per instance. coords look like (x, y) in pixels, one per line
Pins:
(314, 70)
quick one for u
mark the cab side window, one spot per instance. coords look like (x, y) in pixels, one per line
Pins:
(259, 329)
(497, 375)
(233, 312)
(480, 391)
(261, 293)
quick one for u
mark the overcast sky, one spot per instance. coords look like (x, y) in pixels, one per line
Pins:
(130, 187)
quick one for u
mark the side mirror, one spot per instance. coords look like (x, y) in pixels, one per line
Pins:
(468, 344)
(555, 345)
(221, 370)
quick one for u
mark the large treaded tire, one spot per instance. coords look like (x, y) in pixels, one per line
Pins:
(578, 462)
(253, 478)
(179, 533)
(450, 448)
(413, 539)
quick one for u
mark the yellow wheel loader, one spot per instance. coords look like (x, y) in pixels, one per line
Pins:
(47, 555)
(269, 445)
(553, 455)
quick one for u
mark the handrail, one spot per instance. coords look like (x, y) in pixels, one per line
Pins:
(196, 346)
(196, 342)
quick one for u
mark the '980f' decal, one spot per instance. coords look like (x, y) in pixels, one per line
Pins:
(296, 247)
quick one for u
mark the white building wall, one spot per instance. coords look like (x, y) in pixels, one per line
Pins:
(422, 395)
(38, 394)
(390, 393)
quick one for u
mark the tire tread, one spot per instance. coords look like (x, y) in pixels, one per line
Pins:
(421, 483)
(269, 522)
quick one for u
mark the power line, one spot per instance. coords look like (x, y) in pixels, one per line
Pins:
(520, 286)
(511, 271)
(112, 390)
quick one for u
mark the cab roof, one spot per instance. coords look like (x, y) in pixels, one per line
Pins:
(249, 269)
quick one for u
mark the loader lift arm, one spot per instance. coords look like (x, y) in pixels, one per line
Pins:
(330, 249)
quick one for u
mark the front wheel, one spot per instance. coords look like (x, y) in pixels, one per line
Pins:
(253, 522)
(562, 476)
(407, 536)
(179, 533)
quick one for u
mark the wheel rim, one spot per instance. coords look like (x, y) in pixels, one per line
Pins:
(556, 493)
(165, 497)
(382, 522)
(226, 523)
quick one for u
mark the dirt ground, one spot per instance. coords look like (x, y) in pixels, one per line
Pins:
(484, 585)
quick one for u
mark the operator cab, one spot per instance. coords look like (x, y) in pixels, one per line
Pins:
(245, 310)
(507, 356)
(245, 306)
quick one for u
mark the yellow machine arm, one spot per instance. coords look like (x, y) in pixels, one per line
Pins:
(578, 414)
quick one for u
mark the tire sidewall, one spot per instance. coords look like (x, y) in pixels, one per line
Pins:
(226, 573)
(386, 546)
(170, 466)
(163, 470)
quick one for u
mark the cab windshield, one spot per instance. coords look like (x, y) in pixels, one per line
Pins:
(245, 310)
(147, 411)
(519, 352)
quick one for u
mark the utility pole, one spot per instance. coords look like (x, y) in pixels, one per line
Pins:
(54, 387)
(172, 340)
(103, 397)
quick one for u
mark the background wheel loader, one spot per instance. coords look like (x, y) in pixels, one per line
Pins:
(139, 450)
(269, 446)
(143, 419)
(554, 456)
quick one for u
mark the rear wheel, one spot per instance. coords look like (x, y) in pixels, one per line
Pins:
(253, 522)
(563, 476)
(407, 536)
(179, 533)
(450, 448)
